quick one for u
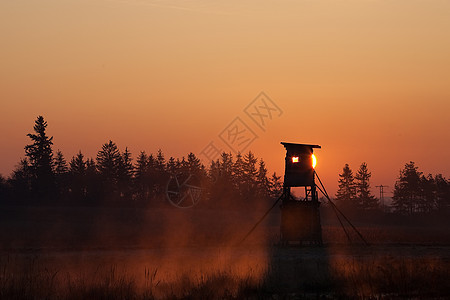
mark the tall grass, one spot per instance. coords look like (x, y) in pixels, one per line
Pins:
(289, 276)
(29, 279)
(392, 276)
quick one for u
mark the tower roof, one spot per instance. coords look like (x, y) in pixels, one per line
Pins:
(299, 147)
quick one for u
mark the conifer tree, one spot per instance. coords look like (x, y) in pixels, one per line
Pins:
(40, 157)
(238, 174)
(60, 164)
(125, 174)
(94, 183)
(214, 171)
(226, 167)
(364, 198)
(78, 165)
(152, 168)
(262, 180)
(153, 173)
(160, 162)
(160, 173)
(427, 201)
(172, 166)
(194, 166)
(407, 190)
(250, 169)
(276, 186)
(249, 185)
(61, 171)
(346, 194)
(141, 180)
(108, 166)
(77, 175)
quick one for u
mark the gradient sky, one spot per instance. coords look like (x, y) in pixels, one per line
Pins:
(367, 80)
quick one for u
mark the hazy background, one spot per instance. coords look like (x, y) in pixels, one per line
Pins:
(367, 80)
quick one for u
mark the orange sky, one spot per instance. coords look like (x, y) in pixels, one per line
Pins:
(367, 80)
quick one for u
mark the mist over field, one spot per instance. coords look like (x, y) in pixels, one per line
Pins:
(116, 252)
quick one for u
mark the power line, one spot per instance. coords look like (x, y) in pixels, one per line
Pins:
(381, 187)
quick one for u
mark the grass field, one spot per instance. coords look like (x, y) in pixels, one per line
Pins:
(115, 253)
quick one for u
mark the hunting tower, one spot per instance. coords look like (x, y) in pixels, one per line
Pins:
(300, 218)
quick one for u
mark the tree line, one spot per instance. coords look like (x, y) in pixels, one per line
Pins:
(44, 176)
(414, 193)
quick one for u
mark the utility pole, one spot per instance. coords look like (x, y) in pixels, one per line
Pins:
(381, 187)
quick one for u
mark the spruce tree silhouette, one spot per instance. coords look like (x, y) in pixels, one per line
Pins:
(40, 157)
(152, 173)
(108, 166)
(77, 178)
(407, 191)
(142, 180)
(61, 170)
(427, 202)
(125, 175)
(364, 199)
(250, 183)
(160, 174)
(262, 180)
(238, 175)
(195, 167)
(346, 193)
(276, 186)
(173, 165)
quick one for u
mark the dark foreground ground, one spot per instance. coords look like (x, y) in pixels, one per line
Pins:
(116, 253)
